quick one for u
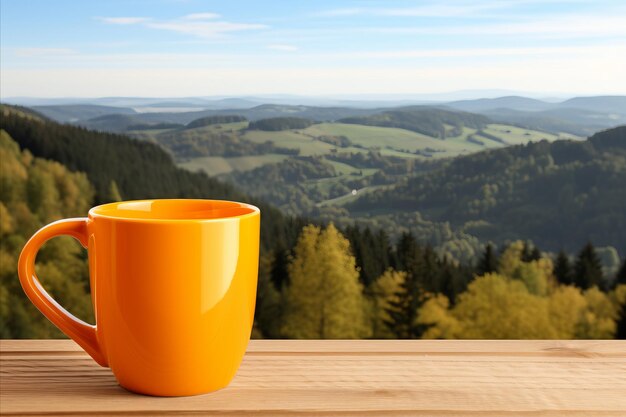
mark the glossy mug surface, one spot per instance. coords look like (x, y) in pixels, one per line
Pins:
(173, 284)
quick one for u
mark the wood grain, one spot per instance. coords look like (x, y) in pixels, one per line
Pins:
(343, 378)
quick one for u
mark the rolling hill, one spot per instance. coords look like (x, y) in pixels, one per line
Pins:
(429, 121)
(508, 102)
(139, 169)
(580, 116)
(76, 112)
(114, 123)
(558, 194)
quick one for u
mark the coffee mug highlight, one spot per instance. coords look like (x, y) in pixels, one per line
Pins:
(173, 285)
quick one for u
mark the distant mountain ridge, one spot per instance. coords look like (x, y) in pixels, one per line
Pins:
(76, 112)
(579, 115)
(597, 104)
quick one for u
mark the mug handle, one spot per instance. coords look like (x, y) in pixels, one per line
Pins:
(83, 333)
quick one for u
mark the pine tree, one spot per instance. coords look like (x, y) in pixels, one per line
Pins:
(588, 268)
(382, 292)
(406, 251)
(535, 254)
(525, 257)
(563, 269)
(489, 261)
(429, 271)
(402, 310)
(620, 278)
(324, 299)
(621, 324)
(528, 254)
(279, 273)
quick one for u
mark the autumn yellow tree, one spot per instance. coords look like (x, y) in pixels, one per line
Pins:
(523, 301)
(382, 293)
(497, 307)
(34, 192)
(324, 299)
(440, 323)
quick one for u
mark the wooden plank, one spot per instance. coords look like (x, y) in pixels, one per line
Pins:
(347, 378)
(608, 348)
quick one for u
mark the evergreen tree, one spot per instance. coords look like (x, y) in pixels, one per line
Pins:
(563, 269)
(371, 250)
(621, 324)
(429, 271)
(489, 261)
(535, 254)
(324, 299)
(620, 278)
(588, 268)
(268, 311)
(407, 252)
(279, 273)
(403, 309)
(530, 253)
(382, 292)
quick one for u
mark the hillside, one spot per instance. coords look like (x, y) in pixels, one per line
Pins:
(138, 169)
(508, 102)
(429, 121)
(558, 194)
(117, 123)
(611, 104)
(75, 112)
(276, 124)
(214, 120)
(581, 116)
(567, 120)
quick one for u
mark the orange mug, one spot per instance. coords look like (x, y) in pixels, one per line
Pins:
(173, 284)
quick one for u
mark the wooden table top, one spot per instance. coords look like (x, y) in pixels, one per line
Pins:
(345, 378)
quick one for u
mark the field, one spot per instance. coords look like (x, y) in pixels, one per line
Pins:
(216, 165)
(313, 141)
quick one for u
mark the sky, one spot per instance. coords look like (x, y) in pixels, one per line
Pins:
(181, 48)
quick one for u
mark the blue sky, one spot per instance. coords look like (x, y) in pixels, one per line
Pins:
(334, 48)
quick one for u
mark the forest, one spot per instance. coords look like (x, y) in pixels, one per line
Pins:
(316, 279)
(280, 123)
(437, 123)
(560, 193)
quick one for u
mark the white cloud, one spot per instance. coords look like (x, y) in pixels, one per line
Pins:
(283, 47)
(43, 52)
(202, 16)
(202, 29)
(202, 25)
(123, 20)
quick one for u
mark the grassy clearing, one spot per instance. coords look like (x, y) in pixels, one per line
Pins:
(290, 139)
(216, 165)
(390, 141)
(516, 135)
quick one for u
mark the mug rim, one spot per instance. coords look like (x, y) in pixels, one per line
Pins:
(96, 211)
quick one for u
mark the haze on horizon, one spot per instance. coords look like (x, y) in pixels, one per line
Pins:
(191, 48)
